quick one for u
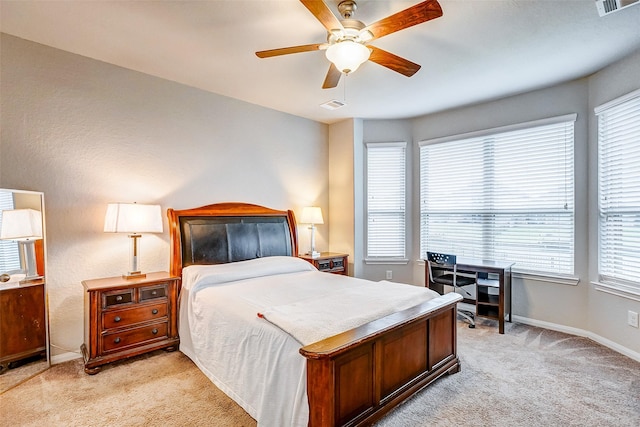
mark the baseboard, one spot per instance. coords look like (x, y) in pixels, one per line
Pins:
(64, 357)
(581, 333)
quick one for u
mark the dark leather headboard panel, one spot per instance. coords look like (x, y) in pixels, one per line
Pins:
(218, 240)
(229, 232)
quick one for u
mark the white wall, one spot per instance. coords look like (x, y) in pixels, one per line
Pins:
(87, 133)
(342, 190)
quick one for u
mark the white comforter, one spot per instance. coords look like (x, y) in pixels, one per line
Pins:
(251, 358)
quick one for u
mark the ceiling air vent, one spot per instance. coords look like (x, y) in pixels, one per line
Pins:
(606, 7)
(334, 104)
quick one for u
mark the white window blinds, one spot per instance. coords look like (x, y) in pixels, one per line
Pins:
(386, 200)
(619, 192)
(9, 252)
(502, 194)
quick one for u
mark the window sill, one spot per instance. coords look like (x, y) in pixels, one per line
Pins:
(560, 280)
(386, 261)
(617, 290)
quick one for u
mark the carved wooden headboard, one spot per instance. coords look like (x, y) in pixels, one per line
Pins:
(229, 232)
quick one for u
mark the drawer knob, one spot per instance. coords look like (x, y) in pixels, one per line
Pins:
(154, 311)
(119, 298)
(155, 331)
(117, 319)
(154, 292)
(117, 340)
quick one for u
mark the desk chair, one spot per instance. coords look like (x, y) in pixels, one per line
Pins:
(446, 273)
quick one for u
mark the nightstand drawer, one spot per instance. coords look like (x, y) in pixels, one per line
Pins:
(115, 298)
(153, 292)
(331, 264)
(324, 264)
(337, 263)
(120, 318)
(131, 337)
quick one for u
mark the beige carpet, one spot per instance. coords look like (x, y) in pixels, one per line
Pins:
(527, 377)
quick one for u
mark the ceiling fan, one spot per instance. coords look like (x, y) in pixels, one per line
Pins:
(347, 39)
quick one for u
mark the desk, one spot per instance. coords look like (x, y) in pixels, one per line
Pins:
(485, 305)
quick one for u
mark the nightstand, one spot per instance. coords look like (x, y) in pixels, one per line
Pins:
(128, 317)
(330, 262)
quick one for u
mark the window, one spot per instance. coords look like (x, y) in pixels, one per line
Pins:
(502, 194)
(619, 192)
(386, 201)
(9, 252)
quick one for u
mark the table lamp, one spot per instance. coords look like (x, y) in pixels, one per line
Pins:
(134, 219)
(25, 227)
(312, 215)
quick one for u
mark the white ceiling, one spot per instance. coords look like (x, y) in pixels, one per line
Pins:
(477, 51)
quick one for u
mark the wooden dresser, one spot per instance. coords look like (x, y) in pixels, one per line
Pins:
(22, 322)
(330, 262)
(128, 317)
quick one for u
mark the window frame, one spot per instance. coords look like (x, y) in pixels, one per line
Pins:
(385, 259)
(615, 283)
(496, 132)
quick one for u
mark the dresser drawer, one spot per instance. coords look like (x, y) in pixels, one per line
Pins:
(120, 318)
(132, 337)
(117, 298)
(153, 292)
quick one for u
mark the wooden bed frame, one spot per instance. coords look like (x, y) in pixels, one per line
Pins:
(355, 377)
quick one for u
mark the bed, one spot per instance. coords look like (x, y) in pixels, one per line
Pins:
(251, 319)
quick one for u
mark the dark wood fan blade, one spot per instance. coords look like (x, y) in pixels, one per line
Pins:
(393, 62)
(323, 14)
(333, 77)
(414, 15)
(292, 49)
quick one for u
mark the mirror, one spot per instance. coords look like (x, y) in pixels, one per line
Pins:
(24, 330)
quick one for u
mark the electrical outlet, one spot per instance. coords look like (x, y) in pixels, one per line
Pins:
(390, 276)
(632, 318)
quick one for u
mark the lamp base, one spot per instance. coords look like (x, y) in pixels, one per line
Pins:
(134, 275)
(314, 254)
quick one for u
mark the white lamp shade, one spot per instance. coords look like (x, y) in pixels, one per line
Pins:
(347, 55)
(133, 218)
(311, 215)
(21, 225)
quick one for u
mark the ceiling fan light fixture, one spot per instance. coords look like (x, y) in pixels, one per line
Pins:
(347, 55)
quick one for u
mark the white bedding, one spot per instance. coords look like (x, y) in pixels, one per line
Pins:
(251, 359)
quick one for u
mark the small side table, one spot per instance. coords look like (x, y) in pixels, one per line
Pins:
(330, 262)
(128, 317)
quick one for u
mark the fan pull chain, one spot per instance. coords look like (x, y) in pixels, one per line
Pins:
(344, 88)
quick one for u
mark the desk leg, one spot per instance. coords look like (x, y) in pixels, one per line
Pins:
(508, 292)
(501, 299)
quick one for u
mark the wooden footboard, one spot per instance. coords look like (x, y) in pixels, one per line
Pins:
(354, 378)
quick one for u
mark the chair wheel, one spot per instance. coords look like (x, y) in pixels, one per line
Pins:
(472, 326)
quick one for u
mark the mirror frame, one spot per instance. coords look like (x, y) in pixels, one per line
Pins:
(21, 372)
